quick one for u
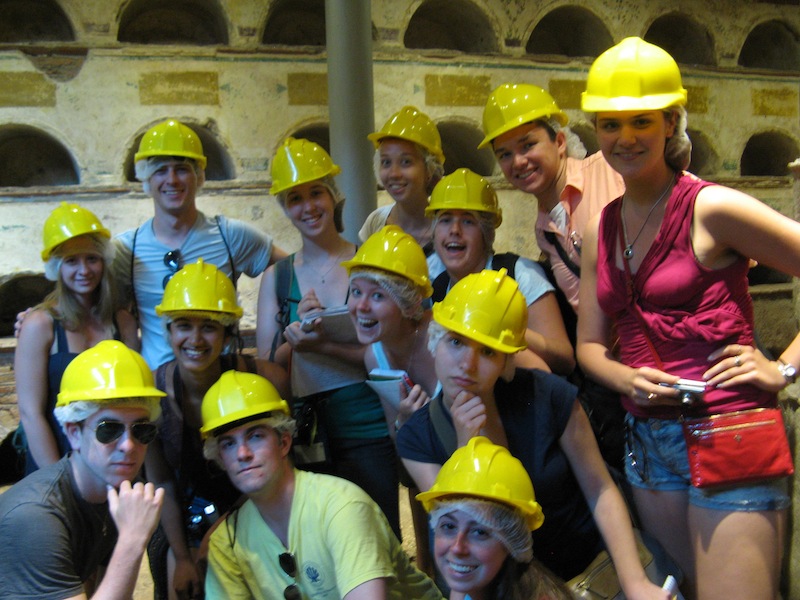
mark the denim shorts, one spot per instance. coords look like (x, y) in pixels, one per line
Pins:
(657, 460)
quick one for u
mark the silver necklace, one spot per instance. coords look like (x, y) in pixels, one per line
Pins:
(336, 261)
(628, 252)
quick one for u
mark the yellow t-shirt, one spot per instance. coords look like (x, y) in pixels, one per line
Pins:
(338, 536)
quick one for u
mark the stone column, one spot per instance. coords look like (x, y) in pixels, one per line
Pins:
(348, 28)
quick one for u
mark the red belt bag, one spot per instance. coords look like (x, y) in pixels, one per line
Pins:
(737, 447)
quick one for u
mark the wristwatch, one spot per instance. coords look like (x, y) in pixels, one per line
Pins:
(788, 371)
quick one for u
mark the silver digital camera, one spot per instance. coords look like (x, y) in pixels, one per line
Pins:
(690, 390)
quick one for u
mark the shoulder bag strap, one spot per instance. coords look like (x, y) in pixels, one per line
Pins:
(283, 289)
(551, 237)
(441, 427)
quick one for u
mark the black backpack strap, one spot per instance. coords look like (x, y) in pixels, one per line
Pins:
(228, 248)
(134, 304)
(236, 332)
(441, 427)
(284, 274)
(250, 363)
(507, 261)
(440, 285)
(551, 237)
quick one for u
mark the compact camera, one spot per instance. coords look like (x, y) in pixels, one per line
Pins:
(690, 390)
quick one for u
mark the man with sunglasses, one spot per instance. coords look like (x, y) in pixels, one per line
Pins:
(299, 534)
(171, 166)
(79, 528)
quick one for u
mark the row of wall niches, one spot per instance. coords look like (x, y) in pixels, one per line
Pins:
(582, 29)
(31, 157)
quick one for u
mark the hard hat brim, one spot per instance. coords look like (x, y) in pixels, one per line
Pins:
(529, 117)
(595, 104)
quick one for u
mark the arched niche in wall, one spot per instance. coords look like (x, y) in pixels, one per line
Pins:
(296, 23)
(687, 41)
(33, 21)
(460, 146)
(450, 25)
(188, 22)
(31, 157)
(319, 133)
(771, 45)
(220, 165)
(570, 31)
(18, 292)
(768, 154)
(705, 160)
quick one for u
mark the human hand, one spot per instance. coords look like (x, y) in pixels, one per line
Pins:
(645, 387)
(415, 399)
(304, 336)
(135, 510)
(736, 364)
(20, 320)
(469, 416)
(187, 581)
(309, 303)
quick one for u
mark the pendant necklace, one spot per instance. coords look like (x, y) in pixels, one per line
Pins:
(336, 261)
(628, 252)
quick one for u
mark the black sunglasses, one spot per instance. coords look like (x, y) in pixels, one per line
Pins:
(289, 566)
(172, 260)
(107, 432)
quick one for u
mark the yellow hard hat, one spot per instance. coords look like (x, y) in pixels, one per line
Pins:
(512, 105)
(411, 125)
(484, 470)
(238, 395)
(391, 249)
(486, 307)
(465, 190)
(633, 75)
(171, 138)
(199, 287)
(66, 222)
(300, 161)
(107, 371)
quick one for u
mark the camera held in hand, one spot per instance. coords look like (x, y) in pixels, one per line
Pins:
(691, 390)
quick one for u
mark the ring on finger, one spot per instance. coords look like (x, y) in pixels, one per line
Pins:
(738, 361)
(651, 396)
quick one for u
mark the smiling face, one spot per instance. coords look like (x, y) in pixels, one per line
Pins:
(375, 314)
(633, 141)
(467, 553)
(464, 364)
(402, 170)
(310, 208)
(255, 456)
(174, 186)
(529, 158)
(82, 266)
(97, 465)
(196, 342)
(459, 243)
